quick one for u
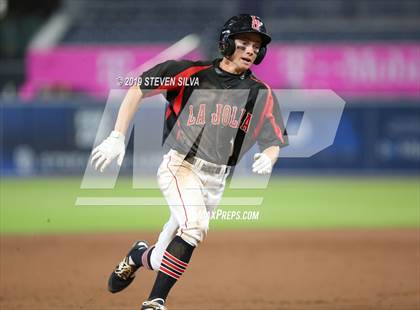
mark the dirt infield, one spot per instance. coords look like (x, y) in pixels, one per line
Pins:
(354, 270)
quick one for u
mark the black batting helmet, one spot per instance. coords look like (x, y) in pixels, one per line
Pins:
(243, 23)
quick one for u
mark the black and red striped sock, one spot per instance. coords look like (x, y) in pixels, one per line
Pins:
(175, 261)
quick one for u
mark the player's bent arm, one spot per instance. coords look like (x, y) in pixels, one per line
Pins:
(128, 108)
(114, 146)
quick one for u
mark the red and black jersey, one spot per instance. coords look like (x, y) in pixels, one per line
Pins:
(213, 114)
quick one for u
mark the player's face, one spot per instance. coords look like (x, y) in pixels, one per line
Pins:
(247, 47)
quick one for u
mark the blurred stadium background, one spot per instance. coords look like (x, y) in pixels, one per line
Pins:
(59, 60)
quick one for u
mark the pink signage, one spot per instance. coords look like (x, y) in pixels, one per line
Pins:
(90, 69)
(360, 69)
(356, 69)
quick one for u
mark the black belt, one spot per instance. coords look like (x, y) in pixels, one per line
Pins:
(207, 167)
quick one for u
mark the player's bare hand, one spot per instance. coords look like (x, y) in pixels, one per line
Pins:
(111, 148)
(262, 164)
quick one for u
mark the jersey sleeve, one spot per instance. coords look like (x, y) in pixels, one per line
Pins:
(162, 77)
(272, 131)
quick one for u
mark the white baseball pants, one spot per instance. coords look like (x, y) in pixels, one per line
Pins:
(192, 195)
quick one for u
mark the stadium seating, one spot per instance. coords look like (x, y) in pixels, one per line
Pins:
(166, 21)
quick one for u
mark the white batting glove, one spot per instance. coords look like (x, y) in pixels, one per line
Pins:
(108, 150)
(262, 164)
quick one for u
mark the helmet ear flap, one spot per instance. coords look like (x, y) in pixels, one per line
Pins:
(260, 55)
(227, 46)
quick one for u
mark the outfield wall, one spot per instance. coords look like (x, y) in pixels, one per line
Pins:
(56, 138)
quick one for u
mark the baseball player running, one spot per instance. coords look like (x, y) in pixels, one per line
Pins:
(210, 123)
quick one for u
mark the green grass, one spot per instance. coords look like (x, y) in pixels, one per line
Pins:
(47, 205)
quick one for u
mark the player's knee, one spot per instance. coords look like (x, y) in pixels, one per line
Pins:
(194, 233)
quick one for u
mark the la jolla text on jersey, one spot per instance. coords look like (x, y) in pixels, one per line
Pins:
(156, 81)
(225, 114)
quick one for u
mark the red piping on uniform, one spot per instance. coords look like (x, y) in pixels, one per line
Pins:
(168, 111)
(268, 113)
(183, 74)
(177, 103)
(179, 192)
